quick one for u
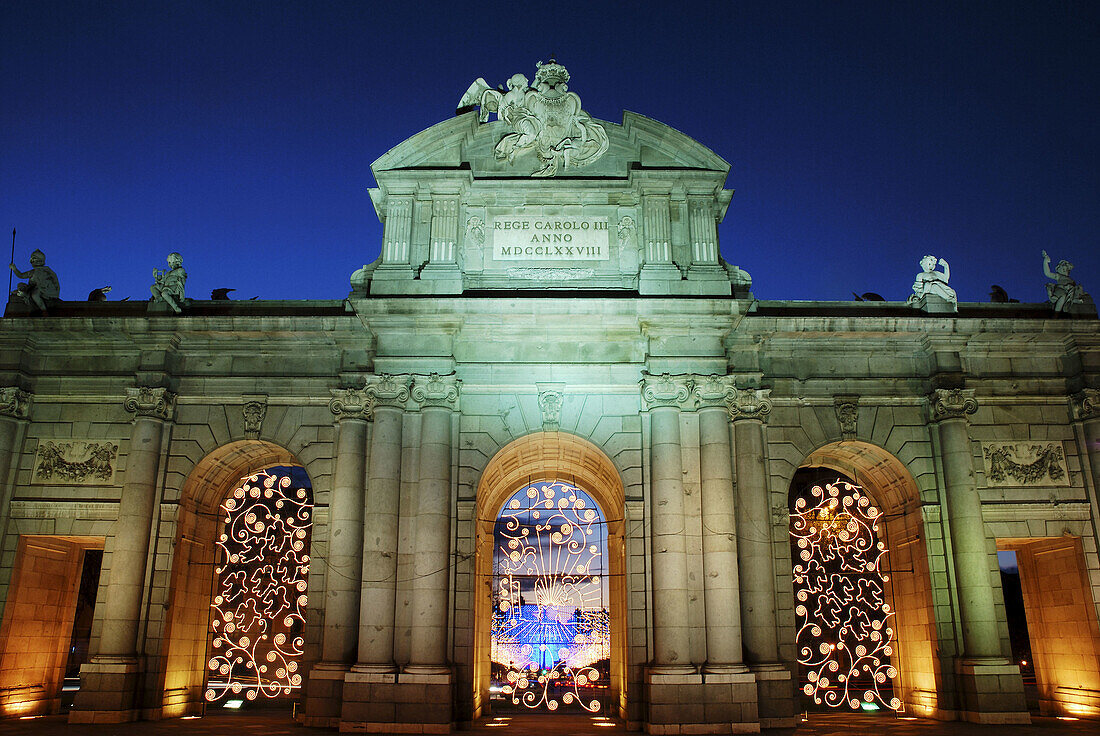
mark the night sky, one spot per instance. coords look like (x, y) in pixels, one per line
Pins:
(861, 135)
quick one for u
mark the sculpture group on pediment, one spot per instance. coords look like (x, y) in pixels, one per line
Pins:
(544, 118)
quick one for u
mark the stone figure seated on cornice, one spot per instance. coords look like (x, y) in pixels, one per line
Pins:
(1064, 293)
(930, 282)
(168, 285)
(42, 287)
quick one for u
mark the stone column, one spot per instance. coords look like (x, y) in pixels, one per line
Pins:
(1086, 409)
(431, 562)
(14, 403)
(755, 553)
(110, 681)
(989, 685)
(720, 583)
(969, 544)
(129, 541)
(345, 548)
(377, 606)
(663, 396)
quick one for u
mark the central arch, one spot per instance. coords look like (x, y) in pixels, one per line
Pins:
(549, 456)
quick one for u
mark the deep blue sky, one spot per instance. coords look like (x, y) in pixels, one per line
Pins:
(861, 135)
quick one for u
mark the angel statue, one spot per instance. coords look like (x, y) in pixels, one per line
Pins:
(932, 282)
(1064, 292)
(546, 119)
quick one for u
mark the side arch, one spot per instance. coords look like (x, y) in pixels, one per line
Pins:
(894, 490)
(183, 664)
(532, 458)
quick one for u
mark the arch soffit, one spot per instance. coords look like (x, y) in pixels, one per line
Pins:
(879, 472)
(550, 456)
(213, 477)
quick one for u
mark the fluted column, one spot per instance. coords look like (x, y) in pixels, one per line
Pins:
(345, 547)
(437, 397)
(970, 554)
(755, 553)
(378, 600)
(14, 403)
(129, 542)
(720, 580)
(663, 396)
(1086, 409)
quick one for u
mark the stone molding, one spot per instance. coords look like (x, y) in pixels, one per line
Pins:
(152, 402)
(847, 415)
(436, 390)
(254, 411)
(14, 402)
(74, 462)
(551, 396)
(665, 390)
(951, 403)
(382, 390)
(1086, 403)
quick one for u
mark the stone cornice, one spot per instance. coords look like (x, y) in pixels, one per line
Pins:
(665, 390)
(436, 391)
(1086, 404)
(951, 403)
(149, 401)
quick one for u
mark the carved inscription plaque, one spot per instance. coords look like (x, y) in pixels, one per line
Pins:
(549, 238)
(1024, 464)
(75, 462)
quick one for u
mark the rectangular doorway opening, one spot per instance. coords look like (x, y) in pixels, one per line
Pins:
(41, 625)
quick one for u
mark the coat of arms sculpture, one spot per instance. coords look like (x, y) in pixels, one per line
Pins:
(546, 119)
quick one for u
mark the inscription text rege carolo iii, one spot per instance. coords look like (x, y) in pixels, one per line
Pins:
(550, 238)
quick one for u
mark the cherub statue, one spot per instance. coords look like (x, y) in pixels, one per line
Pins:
(42, 286)
(932, 282)
(168, 285)
(1064, 292)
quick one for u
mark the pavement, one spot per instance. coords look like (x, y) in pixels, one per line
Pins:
(279, 723)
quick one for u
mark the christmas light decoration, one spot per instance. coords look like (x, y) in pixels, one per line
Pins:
(844, 638)
(550, 628)
(259, 605)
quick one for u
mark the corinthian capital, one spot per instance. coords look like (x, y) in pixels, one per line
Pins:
(665, 390)
(951, 403)
(714, 391)
(436, 390)
(14, 402)
(1086, 403)
(751, 403)
(147, 401)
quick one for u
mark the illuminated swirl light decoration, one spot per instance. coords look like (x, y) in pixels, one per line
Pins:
(844, 636)
(259, 605)
(550, 627)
